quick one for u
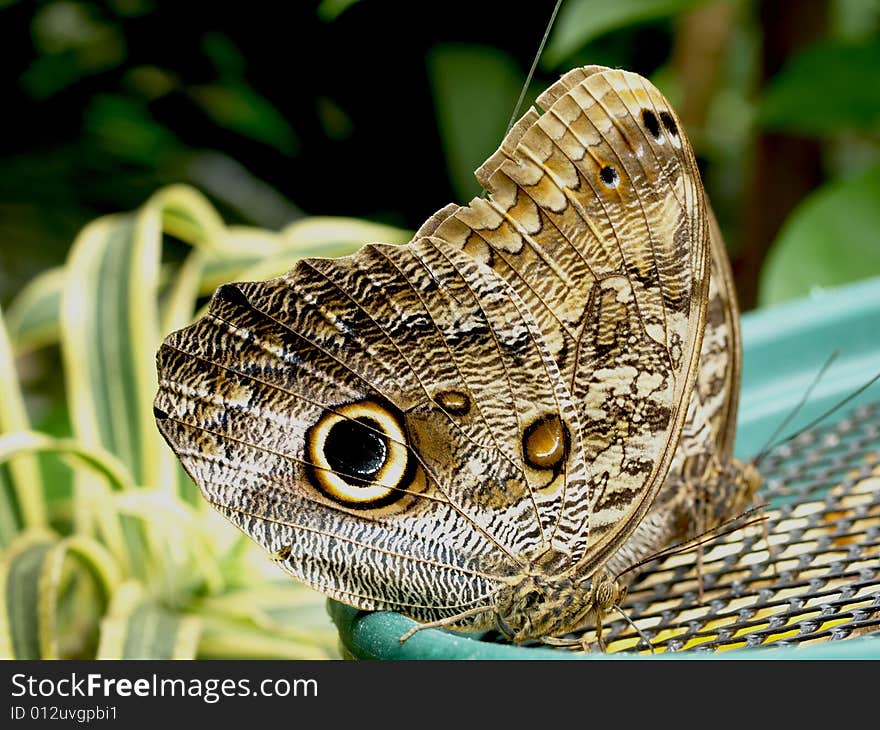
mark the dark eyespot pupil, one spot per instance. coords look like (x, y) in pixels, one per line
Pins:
(609, 176)
(651, 123)
(353, 449)
(669, 123)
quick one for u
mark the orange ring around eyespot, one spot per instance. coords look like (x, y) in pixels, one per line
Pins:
(389, 483)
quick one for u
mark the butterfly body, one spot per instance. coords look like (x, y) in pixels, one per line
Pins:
(471, 429)
(548, 608)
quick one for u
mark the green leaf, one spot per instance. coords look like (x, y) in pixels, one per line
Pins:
(10, 524)
(20, 566)
(181, 550)
(84, 553)
(475, 89)
(24, 470)
(110, 325)
(329, 10)
(125, 129)
(325, 236)
(326, 233)
(14, 445)
(94, 512)
(283, 608)
(138, 628)
(40, 575)
(826, 88)
(580, 21)
(32, 318)
(187, 215)
(830, 239)
(109, 334)
(224, 638)
(74, 41)
(235, 106)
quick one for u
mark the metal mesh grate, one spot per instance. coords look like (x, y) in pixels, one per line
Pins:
(820, 579)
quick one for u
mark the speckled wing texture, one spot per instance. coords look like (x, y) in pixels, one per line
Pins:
(416, 427)
(707, 439)
(597, 217)
(710, 429)
(421, 335)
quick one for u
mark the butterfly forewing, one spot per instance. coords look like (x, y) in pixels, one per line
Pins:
(597, 218)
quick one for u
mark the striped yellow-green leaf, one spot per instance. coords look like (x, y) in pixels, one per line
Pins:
(110, 326)
(20, 566)
(281, 608)
(13, 445)
(137, 627)
(181, 544)
(23, 470)
(225, 638)
(83, 553)
(95, 513)
(36, 573)
(32, 318)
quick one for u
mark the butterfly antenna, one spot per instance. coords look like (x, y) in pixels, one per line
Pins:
(816, 421)
(701, 538)
(635, 628)
(768, 445)
(525, 88)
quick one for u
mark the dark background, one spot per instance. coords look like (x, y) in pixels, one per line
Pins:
(374, 109)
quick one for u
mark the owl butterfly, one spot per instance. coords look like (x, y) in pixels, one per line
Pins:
(473, 429)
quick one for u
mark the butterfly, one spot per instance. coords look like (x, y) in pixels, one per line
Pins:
(474, 429)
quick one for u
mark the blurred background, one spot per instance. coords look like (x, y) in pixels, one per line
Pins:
(280, 115)
(382, 110)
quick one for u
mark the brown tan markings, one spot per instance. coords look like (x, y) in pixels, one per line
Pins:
(298, 404)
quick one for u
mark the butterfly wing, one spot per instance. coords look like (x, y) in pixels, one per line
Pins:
(720, 374)
(597, 218)
(688, 503)
(362, 419)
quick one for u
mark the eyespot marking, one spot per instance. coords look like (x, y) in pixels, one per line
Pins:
(669, 123)
(546, 443)
(651, 123)
(358, 455)
(356, 450)
(453, 402)
(609, 176)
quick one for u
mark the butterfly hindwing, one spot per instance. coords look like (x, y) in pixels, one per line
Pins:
(364, 419)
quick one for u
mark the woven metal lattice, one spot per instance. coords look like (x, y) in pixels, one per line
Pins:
(820, 578)
(812, 575)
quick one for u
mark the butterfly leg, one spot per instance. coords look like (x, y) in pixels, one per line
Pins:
(699, 517)
(599, 640)
(581, 642)
(444, 622)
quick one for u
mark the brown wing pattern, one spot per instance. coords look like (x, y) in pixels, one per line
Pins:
(381, 422)
(280, 399)
(601, 194)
